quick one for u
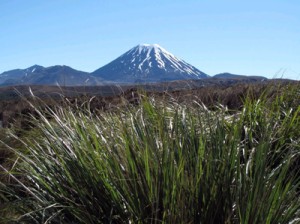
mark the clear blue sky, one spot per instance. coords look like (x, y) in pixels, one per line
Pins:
(243, 37)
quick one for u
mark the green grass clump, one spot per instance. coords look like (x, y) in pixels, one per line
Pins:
(160, 162)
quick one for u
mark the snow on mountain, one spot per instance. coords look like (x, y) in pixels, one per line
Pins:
(148, 63)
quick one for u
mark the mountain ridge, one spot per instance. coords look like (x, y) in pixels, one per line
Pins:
(144, 63)
(227, 75)
(53, 75)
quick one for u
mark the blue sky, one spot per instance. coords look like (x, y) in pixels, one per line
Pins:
(241, 37)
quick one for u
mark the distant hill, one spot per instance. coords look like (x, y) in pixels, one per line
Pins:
(14, 76)
(55, 75)
(227, 75)
(148, 63)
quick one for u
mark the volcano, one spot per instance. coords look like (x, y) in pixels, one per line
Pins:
(148, 63)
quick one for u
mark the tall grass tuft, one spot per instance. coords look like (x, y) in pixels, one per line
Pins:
(161, 162)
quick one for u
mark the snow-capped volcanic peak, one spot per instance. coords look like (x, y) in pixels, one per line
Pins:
(148, 62)
(148, 55)
(146, 49)
(149, 47)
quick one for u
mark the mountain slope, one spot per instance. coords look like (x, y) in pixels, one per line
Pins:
(148, 63)
(57, 75)
(14, 76)
(54, 75)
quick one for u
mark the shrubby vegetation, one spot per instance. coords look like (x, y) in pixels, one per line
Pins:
(158, 162)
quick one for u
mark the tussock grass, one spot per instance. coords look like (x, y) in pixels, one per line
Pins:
(160, 162)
